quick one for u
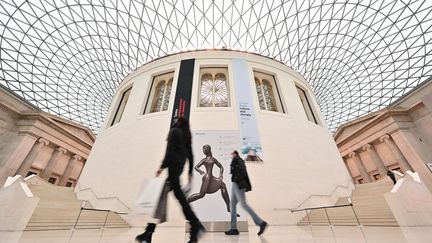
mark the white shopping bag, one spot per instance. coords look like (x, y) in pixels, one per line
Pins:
(149, 198)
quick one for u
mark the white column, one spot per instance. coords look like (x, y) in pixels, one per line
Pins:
(376, 159)
(24, 143)
(360, 166)
(26, 164)
(66, 174)
(52, 162)
(400, 158)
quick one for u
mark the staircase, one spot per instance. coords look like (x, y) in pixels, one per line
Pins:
(59, 209)
(368, 203)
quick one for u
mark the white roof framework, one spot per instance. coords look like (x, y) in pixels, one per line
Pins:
(68, 57)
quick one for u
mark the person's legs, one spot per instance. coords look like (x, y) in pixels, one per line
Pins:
(178, 193)
(257, 220)
(242, 199)
(233, 206)
(196, 226)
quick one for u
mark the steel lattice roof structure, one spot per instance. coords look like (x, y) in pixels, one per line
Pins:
(68, 57)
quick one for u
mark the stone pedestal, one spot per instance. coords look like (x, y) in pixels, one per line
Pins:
(410, 202)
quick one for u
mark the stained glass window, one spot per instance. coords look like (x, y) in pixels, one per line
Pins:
(214, 88)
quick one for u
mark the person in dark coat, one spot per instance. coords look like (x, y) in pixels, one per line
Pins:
(240, 185)
(179, 148)
(392, 176)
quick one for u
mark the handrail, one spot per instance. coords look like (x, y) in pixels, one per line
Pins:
(97, 210)
(335, 206)
(324, 195)
(325, 209)
(102, 210)
(78, 186)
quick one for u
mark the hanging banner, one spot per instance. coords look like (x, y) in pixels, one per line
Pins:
(249, 138)
(183, 93)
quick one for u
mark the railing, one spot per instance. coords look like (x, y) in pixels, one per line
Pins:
(326, 213)
(95, 225)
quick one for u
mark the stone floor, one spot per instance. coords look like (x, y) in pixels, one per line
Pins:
(274, 234)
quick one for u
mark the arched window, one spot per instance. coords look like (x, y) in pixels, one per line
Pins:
(161, 93)
(214, 88)
(267, 93)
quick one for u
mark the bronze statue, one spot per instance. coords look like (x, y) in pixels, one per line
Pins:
(210, 184)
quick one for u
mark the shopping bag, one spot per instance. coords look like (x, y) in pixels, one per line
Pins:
(149, 198)
(160, 212)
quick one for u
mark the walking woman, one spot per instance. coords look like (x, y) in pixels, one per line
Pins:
(179, 148)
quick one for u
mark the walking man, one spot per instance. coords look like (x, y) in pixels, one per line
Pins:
(240, 185)
(179, 148)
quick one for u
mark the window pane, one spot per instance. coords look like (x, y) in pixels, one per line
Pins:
(267, 92)
(121, 107)
(214, 87)
(220, 91)
(158, 96)
(167, 95)
(306, 105)
(260, 94)
(206, 95)
(269, 96)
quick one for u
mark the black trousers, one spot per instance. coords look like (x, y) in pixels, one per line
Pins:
(174, 183)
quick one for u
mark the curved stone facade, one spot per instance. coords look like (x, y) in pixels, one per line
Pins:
(301, 164)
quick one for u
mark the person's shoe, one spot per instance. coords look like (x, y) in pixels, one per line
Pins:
(232, 232)
(263, 227)
(146, 237)
(196, 232)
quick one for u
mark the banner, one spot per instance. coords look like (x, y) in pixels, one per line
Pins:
(251, 149)
(211, 190)
(183, 93)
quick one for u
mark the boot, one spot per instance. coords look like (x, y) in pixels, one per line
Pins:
(146, 237)
(196, 232)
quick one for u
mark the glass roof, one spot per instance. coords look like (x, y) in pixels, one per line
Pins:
(68, 57)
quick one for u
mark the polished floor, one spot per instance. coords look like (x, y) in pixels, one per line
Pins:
(274, 234)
